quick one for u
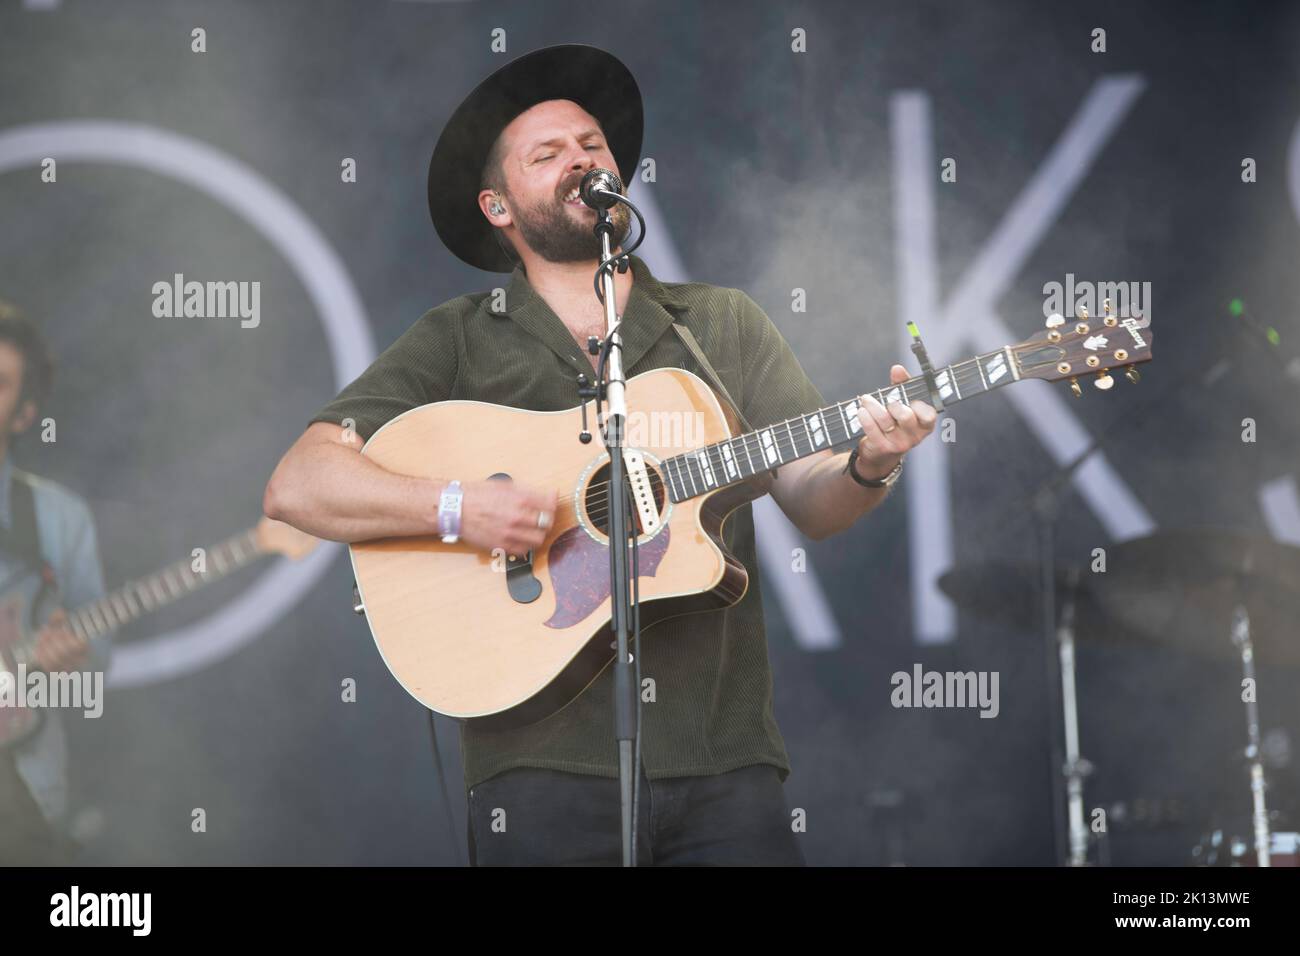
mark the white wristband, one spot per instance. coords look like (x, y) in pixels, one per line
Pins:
(449, 512)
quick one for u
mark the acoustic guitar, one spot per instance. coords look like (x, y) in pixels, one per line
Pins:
(26, 605)
(507, 640)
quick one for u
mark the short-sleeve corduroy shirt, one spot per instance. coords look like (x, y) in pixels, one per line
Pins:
(713, 710)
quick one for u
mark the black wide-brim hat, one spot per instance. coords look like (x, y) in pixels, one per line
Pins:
(595, 80)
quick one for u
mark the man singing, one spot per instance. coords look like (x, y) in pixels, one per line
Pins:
(503, 196)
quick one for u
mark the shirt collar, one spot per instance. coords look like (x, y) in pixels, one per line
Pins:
(647, 316)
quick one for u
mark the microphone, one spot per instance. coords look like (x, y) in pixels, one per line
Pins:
(597, 186)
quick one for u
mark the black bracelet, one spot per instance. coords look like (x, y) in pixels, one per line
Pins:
(884, 482)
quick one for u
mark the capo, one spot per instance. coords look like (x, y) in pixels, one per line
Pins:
(927, 372)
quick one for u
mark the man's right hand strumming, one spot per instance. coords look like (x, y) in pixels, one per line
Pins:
(327, 488)
(503, 514)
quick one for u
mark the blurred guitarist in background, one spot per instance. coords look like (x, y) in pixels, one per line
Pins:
(46, 532)
(503, 195)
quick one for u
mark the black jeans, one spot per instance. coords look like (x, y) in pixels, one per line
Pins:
(534, 817)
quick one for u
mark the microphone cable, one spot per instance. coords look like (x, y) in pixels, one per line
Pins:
(449, 815)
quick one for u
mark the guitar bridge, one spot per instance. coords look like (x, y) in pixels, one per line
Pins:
(643, 496)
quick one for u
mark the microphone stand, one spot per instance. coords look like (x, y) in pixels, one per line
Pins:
(620, 579)
(1069, 770)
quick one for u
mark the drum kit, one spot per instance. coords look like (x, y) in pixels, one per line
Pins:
(1226, 596)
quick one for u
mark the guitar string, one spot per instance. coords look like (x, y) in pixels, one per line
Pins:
(967, 378)
(917, 385)
(785, 443)
(242, 548)
(964, 376)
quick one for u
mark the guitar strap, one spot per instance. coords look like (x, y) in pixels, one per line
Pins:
(692, 346)
(21, 540)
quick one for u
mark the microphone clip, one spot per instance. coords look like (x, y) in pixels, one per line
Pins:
(588, 391)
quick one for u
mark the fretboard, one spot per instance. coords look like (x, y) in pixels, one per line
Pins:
(174, 581)
(724, 463)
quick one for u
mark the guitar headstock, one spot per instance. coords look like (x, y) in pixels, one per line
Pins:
(1073, 349)
(276, 537)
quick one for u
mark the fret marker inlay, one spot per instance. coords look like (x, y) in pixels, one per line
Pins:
(706, 468)
(851, 417)
(816, 430)
(945, 384)
(729, 463)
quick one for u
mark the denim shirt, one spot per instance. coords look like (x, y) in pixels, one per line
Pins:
(66, 531)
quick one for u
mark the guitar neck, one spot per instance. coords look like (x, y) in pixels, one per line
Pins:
(724, 463)
(148, 594)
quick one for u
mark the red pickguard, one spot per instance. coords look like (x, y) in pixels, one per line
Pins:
(579, 568)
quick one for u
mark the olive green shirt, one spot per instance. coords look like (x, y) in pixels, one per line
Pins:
(713, 683)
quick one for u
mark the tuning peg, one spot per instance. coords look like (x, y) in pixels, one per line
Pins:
(1055, 320)
(1083, 312)
(1105, 305)
(1131, 373)
(1103, 381)
(1075, 387)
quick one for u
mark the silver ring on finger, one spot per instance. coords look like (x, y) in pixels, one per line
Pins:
(543, 521)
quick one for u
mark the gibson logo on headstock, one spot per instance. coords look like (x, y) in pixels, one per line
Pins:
(1132, 326)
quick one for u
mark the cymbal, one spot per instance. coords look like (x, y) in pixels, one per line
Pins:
(1183, 587)
(1178, 588)
(1007, 593)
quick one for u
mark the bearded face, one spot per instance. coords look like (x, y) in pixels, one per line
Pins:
(544, 154)
(560, 228)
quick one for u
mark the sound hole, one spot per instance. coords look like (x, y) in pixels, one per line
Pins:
(596, 500)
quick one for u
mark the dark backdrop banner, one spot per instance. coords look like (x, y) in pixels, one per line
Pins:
(851, 166)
